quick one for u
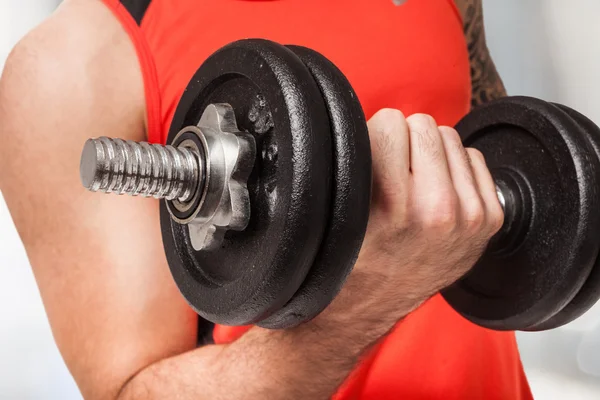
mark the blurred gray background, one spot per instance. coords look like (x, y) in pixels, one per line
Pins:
(544, 48)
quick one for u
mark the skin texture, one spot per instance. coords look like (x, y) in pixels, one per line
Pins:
(121, 325)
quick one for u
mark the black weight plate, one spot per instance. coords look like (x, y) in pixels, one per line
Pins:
(589, 293)
(350, 196)
(517, 289)
(257, 271)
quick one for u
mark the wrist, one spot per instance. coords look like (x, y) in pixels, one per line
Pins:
(361, 314)
(318, 341)
(306, 361)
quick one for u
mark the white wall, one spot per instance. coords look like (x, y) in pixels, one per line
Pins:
(543, 48)
(30, 364)
(550, 49)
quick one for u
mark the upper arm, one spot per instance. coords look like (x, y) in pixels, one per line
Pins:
(485, 80)
(98, 260)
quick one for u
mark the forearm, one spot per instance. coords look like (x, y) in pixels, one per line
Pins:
(309, 361)
(305, 362)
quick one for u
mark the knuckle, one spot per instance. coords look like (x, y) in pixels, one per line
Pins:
(387, 121)
(390, 113)
(420, 119)
(441, 214)
(496, 219)
(425, 136)
(425, 142)
(442, 221)
(474, 215)
(475, 155)
(404, 217)
(451, 134)
(456, 146)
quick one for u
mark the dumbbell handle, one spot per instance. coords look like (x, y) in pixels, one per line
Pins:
(501, 197)
(151, 170)
(165, 172)
(515, 199)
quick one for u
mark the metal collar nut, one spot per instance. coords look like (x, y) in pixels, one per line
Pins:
(228, 158)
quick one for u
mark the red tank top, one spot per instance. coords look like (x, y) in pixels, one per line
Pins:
(411, 57)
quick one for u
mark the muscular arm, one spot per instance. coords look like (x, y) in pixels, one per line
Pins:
(486, 83)
(117, 317)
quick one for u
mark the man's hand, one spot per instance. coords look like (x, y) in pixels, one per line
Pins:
(434, 208)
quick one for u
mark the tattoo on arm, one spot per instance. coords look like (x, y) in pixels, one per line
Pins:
(485, 81)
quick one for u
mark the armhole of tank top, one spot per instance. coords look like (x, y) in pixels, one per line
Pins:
(137, 9)
(147, 66)
(456, 12)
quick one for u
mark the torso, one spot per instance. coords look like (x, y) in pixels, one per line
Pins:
(411, 57)
(375, 39)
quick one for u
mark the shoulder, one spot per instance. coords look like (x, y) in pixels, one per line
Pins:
(77, 30)
(72, 77)
(76, 57)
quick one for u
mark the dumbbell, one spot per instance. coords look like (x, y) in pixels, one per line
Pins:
(265, 189)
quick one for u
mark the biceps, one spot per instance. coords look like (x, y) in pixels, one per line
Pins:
(98, 260)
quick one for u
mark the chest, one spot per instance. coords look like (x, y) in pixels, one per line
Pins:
(412, 57)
